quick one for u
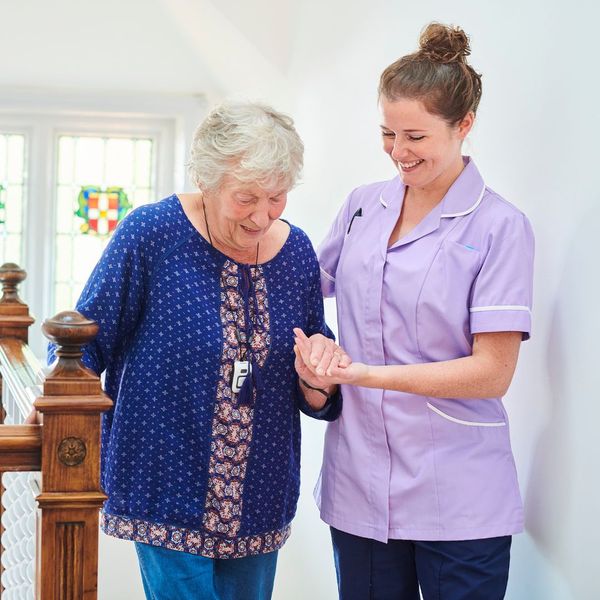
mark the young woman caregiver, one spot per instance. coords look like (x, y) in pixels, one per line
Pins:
(432, 273)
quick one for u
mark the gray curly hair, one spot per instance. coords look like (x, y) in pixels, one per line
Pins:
(249, 140)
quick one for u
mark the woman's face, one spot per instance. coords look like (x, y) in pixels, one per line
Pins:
(240, 213)
(424, 148)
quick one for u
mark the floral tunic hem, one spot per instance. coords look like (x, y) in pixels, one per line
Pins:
(193, 541)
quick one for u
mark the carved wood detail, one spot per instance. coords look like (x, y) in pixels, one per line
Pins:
(70, 330)
(69, 563)
(71, 451)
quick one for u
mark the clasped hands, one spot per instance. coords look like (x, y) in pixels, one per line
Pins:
(324, 364)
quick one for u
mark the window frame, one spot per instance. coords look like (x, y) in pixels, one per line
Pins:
(19, 128)
(43, 117)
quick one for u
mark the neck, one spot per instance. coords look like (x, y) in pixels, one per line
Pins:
(241, 255)
(433, 193)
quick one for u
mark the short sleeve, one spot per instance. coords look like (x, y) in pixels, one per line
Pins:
(330, 249)
(501, 297)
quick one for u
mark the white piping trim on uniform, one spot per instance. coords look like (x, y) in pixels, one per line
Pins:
(382, 201)
(500, 307)
(461, 422)
(327, 275)
(469, 210)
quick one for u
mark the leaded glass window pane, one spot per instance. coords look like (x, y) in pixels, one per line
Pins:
(97, 163)
(12, 196)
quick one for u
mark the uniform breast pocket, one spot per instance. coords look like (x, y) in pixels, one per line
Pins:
(443, 317)
(459, 263)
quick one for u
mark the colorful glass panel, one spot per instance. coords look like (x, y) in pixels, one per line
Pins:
(123, 173)
(101, 210)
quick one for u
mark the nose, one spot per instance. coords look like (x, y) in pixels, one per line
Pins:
(398, 149)
(260, 216)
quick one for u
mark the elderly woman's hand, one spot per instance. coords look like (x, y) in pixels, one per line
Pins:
(320, 352)
(322, 363)
(327, 362)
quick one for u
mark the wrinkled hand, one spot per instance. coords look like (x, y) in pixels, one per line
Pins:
(322, 363)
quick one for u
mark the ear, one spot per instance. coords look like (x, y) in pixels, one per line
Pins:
(465, 126)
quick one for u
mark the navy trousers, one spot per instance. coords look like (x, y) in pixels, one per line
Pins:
(461, 570)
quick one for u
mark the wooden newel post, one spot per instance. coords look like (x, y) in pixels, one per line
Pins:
(14, 313)
(15, 321)
(71, 494)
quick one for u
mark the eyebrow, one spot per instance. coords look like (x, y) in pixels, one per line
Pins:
(253, 195)
(404, 130)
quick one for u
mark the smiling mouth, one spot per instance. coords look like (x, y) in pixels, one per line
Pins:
(408, 166)
(250, 230)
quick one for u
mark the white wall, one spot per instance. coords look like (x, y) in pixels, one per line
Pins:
(536, 141)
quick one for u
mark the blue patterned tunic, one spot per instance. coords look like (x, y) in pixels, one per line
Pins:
(186, 464)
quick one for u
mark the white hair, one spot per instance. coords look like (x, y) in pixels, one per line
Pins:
(249, 140)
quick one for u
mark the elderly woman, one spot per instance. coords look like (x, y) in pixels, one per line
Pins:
(196, 297)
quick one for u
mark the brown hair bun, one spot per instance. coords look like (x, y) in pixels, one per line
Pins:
(438, 74)
(444, 44)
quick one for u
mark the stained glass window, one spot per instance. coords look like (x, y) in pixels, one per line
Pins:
(101, 210)
(12, 193)
(96, 177)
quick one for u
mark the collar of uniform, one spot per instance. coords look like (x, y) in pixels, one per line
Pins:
(463, 197)
(392, 198)
(392, 194)
(465, 194)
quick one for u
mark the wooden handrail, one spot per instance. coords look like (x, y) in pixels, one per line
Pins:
(66, 447)
(20, 447)
(22, 372)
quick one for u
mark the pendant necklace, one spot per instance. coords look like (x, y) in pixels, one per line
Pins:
(242, 369)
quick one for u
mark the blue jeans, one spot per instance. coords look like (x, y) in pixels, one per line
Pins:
(461, 570)
(173, 575)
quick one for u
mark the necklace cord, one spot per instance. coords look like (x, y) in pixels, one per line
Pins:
(245, 285)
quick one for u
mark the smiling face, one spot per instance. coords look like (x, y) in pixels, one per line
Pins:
(424, 147)
(241, 213)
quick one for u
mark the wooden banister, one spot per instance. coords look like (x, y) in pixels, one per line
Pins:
(66, 447)
(71, 405)
(15, 319)
(21, 447)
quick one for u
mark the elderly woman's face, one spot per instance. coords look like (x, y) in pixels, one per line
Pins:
(244, 212)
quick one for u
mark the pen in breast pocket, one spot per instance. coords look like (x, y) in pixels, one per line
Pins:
(358, 213)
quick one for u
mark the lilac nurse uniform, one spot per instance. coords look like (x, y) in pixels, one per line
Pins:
(404, 466)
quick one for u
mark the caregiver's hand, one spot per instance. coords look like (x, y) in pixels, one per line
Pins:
(325, 360)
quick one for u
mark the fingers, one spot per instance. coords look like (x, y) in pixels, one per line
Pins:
(327, 353)
(299, 362)
(319, 348)
(319, 353)
(334, 364)
(303, 345)
(345, 360)
(313, 345)
(300, 334)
